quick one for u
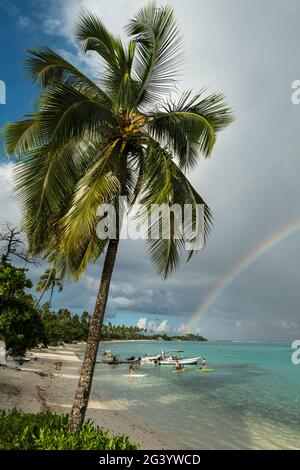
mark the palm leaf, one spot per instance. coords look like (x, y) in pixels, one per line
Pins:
(97, 186)
(158, 51)
(67, 113)
(22, 136)
(169, 232)
(47, 67)
(94, 36)
(191, 126)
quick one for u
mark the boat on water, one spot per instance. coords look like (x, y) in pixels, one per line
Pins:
(108, 353)
(169, 358)
(150, 359)
(183, 361)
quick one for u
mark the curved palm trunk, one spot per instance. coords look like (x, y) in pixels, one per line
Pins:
(87, 370)
(44, 288)
(51, 294)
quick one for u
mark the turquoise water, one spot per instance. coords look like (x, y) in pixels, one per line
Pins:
(250, 401)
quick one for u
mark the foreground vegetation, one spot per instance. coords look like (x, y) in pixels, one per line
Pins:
(49, 431)
(21, 326)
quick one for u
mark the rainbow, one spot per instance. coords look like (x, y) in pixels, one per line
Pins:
(260, 250)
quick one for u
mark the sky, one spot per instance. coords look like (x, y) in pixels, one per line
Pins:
(250, 51)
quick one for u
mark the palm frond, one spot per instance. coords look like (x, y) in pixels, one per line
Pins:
(158, 51)
(22, 136)
(94, 36)
(191, 126)
(47, 67)
(166, 194)
(119, 82)
(97, 186)
(116, 77)
(67, 113)
(44, 180)
(87, 251)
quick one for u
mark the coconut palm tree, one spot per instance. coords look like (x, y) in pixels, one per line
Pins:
(124, 134)
(48, 280)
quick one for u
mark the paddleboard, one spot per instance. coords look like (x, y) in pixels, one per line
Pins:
(181, 370)
(204, 370)
(135, 375)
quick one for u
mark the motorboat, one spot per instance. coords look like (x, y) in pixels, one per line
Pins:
(108, 353)
(170, 358)
(150, 359)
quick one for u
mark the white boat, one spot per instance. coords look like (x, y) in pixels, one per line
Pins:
(150, 359)
(169, 358)
(185, 361)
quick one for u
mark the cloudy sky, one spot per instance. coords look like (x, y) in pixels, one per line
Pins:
(250, 51)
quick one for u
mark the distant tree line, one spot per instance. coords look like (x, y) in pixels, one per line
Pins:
(24, 325)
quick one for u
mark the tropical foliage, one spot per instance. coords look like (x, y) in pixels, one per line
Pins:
(20, 323)
(48, 431)
(63, 327)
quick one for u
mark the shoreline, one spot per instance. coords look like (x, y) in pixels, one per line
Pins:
(37, 386)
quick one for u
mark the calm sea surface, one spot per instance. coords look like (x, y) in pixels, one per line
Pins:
(250, 401)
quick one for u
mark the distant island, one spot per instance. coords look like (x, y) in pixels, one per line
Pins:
(64, 327)
(121, 332)
(186, 337)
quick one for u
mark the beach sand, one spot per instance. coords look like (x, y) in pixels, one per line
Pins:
(37, 385)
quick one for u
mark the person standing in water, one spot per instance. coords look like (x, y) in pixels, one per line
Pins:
(133, 367)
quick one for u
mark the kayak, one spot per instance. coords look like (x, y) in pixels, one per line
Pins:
(204, 370)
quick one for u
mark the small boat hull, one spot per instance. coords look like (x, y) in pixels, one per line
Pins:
(149, 359)
(184, 362)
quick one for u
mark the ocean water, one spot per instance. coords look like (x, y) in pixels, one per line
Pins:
(250, 401)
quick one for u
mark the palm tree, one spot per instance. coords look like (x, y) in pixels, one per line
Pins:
(48, 280)
(87, 143)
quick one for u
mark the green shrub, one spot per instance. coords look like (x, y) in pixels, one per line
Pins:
(49, 431)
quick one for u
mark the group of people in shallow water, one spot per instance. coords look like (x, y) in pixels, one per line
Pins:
(178, 365)
(133, 366)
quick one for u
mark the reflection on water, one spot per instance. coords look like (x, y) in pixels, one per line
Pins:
(251, 400)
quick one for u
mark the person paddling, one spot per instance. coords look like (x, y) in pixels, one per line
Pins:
(178, 366)
(203, 363)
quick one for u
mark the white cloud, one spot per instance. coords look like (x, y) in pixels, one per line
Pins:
(24, 21)
(153, 327)
(9, 211)
(182, 329)
(142, 323)
(162, 327)
(53, 27)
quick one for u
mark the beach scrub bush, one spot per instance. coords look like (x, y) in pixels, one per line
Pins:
(49, 431)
